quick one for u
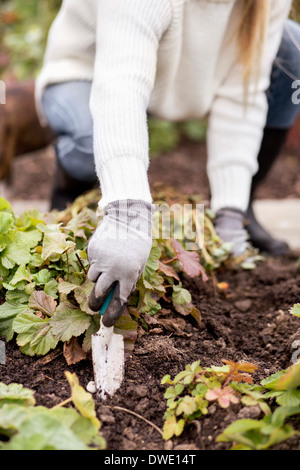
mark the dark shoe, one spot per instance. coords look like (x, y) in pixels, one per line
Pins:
(272, 143)
(271, 146)
(66, 189)
(262, 239)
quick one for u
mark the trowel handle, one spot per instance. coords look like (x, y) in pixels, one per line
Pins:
(107, 301)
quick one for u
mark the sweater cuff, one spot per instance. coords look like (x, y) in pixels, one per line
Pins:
(230, 187)
(123, 178)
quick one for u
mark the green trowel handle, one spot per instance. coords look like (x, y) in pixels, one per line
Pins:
(107, 301)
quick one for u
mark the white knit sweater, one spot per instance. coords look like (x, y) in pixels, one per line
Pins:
(173, 59)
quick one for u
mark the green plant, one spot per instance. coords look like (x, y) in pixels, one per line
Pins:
(44, 285)
(295, 310)
(284, 388)
(25, 426)
(251, 434)
(193, 389)
(45, 289)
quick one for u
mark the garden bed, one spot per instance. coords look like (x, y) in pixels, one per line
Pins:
(249, 321)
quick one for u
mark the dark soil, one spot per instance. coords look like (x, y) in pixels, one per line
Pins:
(185, 169)
(250, 321)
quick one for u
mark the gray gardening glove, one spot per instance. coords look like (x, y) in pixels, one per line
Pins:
(118, 252)
(229, 225)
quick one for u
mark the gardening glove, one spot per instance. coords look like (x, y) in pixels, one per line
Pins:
(229, 225)
(118, 252)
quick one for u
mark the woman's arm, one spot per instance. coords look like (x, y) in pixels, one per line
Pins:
(128, 34)
(235, 131)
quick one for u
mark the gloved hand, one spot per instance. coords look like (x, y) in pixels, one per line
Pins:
(229, 225)
(118, 252)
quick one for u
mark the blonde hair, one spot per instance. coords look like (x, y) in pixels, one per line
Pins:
(251, 35)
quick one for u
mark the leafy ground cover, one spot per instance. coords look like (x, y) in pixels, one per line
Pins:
(249, 322)
(203, 337)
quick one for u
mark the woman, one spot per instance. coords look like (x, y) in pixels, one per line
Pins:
(109, 63)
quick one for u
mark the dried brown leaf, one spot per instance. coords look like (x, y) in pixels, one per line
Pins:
(189, 261)
(42, 302)
(73, 352)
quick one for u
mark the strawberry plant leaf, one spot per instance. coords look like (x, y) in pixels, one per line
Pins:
(187, 406)
(152, 264)
(224, 396)
(289, 380)
(181, 296)
(189, 261)
(168, 270)
(295, 310)
(172, 427)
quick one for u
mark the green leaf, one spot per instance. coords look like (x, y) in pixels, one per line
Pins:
(18, 295)
(187, 406)
(65, 287)
(12, 415)
(84, 428)
(289, 398)
(16, 253)
(242, 426)
(6, 223)
(32, 237)
(127, 327)
(289, 379)
(92, 329)
(5, 206)
(82, 400)
(181, 296)
(44, 432)
(50, 288)
(16, 394)
(69, 321)
(173, 392)
(295, 310)
(55, 243)
(82, 294)
(22, 274)
(152, 264)
(34, 332)
(8, 312)
(172, 427)
(282, 413)
(42, 277)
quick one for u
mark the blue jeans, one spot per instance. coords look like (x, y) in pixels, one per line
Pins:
(66, 107)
